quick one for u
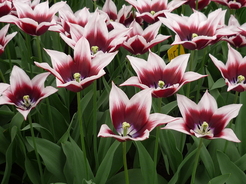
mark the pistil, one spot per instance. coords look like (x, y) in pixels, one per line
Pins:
(77, 76)
(204, 128)
(125, 127)
(26, 101)
(94, 49)
(152, 12)
(161, 84)
(240, 79)
(194, 35)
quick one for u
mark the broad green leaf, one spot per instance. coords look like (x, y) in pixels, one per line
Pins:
(52, 156)
(36, 126)
(147, 164)
(4, 141)
(135, 177)
(219, 179)
(75, 168)
(169, 148)
(169, 107)
(17, 120)
(240, 125)
(9, 162)
(32, 173)
(218, 84)
(9, 157)
(241, 162)
(184, 170)
(206, 159)
(105, 166)
(228, 167)
(210, 79)
(58, 125)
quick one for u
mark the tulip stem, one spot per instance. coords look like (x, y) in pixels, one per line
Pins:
(2, 77)
(157, 135)
(35, 150)
(189, 69)
(29, 52)
(196, 161)
(125, 163)
(79, 116)
(94, 117)
(38, 42)
(230, 123)
(50, 117)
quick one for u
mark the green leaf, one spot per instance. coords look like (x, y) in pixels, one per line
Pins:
(206, 159)
(105, 167)
(8, 166)
(240, 125)
(169, 148)
(219, 179)
(17, 120)
(218, 84)
(228, 167)
(31, 171)
(36, 126)
(241, 162)
(135, 177)
(9, 157)
(52, 156)
(169, 107)
(75, 169)
(147, 164)
(184, 170)
(210, 79)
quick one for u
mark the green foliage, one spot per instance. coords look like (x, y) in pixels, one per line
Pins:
(56, 119)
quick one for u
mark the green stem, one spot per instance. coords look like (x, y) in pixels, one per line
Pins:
(9, 57)
(94, 117)
(125, 163)
(29, 52)
(196, 162)
(157, 135)
(230, 124)
(196, 4)
(202, 72)
(189, 69)
(38, 42)
(79, 115)
(2, 77)
(35, 150)
(50, 118)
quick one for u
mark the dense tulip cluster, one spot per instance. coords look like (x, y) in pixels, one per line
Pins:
(166, 79)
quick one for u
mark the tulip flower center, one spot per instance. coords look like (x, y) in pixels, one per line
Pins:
(240, 79)
(26, 102)
(125, 127)
(152, 12)
(194, 35)
(77, 77)
(161, 84)
(203, 129)
(94, 49)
